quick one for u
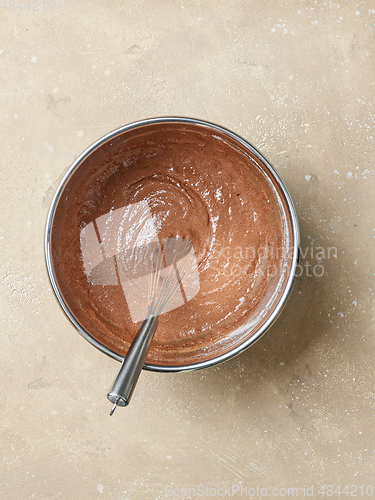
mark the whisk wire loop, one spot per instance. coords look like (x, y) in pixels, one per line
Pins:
(174, 277)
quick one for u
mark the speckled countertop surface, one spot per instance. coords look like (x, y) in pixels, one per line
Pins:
(295, 78)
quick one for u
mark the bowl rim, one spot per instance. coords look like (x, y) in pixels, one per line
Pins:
(279, 183)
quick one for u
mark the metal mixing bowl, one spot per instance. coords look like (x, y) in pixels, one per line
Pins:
(246, 148)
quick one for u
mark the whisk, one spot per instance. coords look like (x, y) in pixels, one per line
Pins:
(178, 256)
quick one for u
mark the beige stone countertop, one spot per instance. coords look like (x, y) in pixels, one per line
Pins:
(296, 78)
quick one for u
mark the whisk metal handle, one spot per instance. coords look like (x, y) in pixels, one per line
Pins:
(131, 367)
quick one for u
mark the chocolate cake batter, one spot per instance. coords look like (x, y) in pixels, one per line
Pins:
(198, 186)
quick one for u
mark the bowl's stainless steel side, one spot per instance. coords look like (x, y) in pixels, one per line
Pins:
(280, 184)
